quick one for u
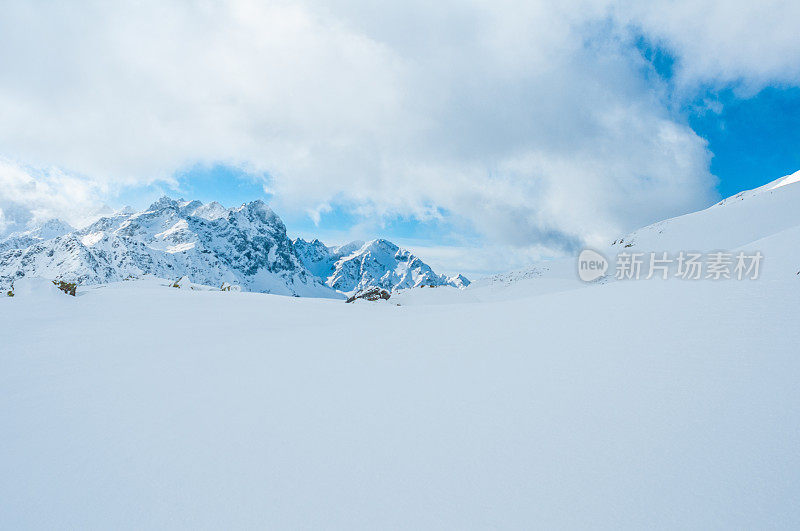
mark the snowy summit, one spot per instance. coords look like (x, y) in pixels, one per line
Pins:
(246, 246)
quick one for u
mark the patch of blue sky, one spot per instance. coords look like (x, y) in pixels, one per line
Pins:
(342, 223)
(754, 137)
(226, 184)
(754, 140)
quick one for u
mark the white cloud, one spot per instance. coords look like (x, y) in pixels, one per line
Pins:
(718, 43)
(29, 197)
(530, 121)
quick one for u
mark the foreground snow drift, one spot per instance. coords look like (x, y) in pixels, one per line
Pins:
(640, 404)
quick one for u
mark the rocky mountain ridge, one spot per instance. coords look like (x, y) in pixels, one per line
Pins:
(245, 246)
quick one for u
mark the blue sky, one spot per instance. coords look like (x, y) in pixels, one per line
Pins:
(754, 140)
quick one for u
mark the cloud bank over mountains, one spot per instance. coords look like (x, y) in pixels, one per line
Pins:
(533, 124)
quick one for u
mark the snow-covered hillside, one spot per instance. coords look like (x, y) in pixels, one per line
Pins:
(626, 405)
(357, 266)
(755, 220)
(730, 224)
(245, 246)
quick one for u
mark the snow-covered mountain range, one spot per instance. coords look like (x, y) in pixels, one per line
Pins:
(380, 263)
(246, 246)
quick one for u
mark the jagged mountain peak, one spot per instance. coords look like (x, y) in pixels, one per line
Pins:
(359, 265)
(379, 244)
(310, 244)
(164, 202)
(211, 211)
(258, 208)
(182, 206)
(459, 281)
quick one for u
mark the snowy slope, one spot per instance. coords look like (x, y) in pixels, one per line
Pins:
(731, 223)
(139, 406)
(357, 266)
(741, 222)
(540, 278)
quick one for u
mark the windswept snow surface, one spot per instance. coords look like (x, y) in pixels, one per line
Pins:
(638, 404)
